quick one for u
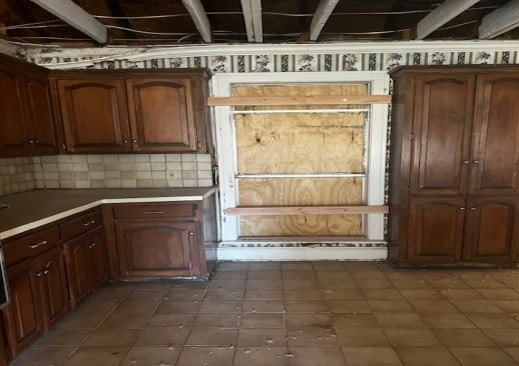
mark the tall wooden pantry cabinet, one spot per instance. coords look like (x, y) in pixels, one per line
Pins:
(454, 168)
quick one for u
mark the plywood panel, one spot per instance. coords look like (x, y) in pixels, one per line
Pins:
(300, 143)
(300, 91)
(300, 192)
(301, 225)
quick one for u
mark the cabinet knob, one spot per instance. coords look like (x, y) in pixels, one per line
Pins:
(191, 233)
(125, 141)
(466, 161)
(36, 141)
(475, 162)
(134, 141)
(31, 141)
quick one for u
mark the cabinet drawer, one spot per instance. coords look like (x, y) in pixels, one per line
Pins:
(30, 245)
(80, 224)
(154, 211)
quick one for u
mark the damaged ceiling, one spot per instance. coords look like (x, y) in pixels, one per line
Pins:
(84, 23)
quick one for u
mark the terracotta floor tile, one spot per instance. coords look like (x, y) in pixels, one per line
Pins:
(512, 352)
(171, 320)
(262, 337)
(484, 283)
(83, 320)
(264, 294)
(383, 294)
(328, 266)
(433, 306)
(349, 306)
(137, 306)
(338, 275)
(476, 306)
(367, 274)
(106, 356)
(307, 356)
(482, 356)
(229, 275)
(463, 338)
(262, 320)
(509, 306)
(390, 306)
(448, 283)
(261, 356)
(400, 337)
(308, 320)
(427, 356)
(421, 294)
(155, 295)
(371, 356)
(233, 266)
(488, 321)
(207, 356)
(504, 337)
(297, 266)
(300, 284)
(461, 294)
(63, 337)
(227, 320)
(263, 306)
(224, 294)
(343, 294)
(308, 294)
(264, 284)
(151, 356)
(126, 321)
(298, 275)
(399, 320)
(499, 294)
(162, 336)
(326, 283)
(416, 283)
(368, 283)
(264, 275)
(264, 266)
(362, 337)
(178, 307)
(354, 321)
(221, 306)
(312, 337)
(44, 356)
(212, 337)
(111, 337)
(306, 306)
(446, 320)
(226, 284)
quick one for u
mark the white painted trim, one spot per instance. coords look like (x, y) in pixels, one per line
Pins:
(150, 52)
(226, 144)
(301, 254)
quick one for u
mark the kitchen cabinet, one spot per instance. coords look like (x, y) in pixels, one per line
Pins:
(85, 255)
(25, 111)
(165, 240)
(135, 111)
(37, 287)
(454, 165)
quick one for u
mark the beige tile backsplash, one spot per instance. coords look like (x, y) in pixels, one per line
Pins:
(105, 171)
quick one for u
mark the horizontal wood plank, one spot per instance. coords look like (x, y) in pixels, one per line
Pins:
(317, 100)
(306, 210)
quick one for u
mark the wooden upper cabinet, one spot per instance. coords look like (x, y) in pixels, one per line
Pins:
(12, 130)
(495, 151)
(39, 116)
(93, 113)
(162, 115)
(442, 124)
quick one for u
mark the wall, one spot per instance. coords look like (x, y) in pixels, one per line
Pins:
(105, 171)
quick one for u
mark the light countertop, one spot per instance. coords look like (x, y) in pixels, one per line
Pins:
(29, 210)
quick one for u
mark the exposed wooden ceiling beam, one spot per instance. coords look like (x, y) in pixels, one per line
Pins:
(197, 12)
(441, 15)
(323, 12)
(75, 16)
(500, 20)
(117, 11)
(253, 20)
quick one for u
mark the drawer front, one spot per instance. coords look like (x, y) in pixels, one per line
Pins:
(30, 245)
(79, 224)
(147, 211)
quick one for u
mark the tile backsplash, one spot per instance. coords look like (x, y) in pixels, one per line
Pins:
(105, 171)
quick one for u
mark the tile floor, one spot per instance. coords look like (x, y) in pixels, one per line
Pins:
(297, 313)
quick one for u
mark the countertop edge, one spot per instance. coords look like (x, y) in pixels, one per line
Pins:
(50, 219)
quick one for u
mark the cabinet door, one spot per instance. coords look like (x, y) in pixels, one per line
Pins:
(24, 316)
(97, 258)
(442, 125)
(53, 285)
(435, 229)
(40, 119)
(78, 273)
(12, 131)
(155, 248)
(495, 155)
(94, 115)
(161, 114)
(491, 230)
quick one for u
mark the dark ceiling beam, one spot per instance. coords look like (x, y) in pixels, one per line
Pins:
(117, 11)
(322, 13)
(500, 21)
(199, 16)
(24, 12)
(75, 16)
(445, 12)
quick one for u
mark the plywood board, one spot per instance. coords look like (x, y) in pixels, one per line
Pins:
(300, 192)
(301, 225)
(300, 91)
(300, 143)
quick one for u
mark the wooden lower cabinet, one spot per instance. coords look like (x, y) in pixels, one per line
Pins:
(156, 248)
(87, 266)
(39, 298)
(451, 230)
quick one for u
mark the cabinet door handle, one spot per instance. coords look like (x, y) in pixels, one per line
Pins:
(36, 141)
(134, 141)
(191, 233)
(462, 208)
(31, 141)
(32, 246)
(473, 209)
(466, 161)
(125, 141)
(475, 162)
(91, 222)
(153, 212)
